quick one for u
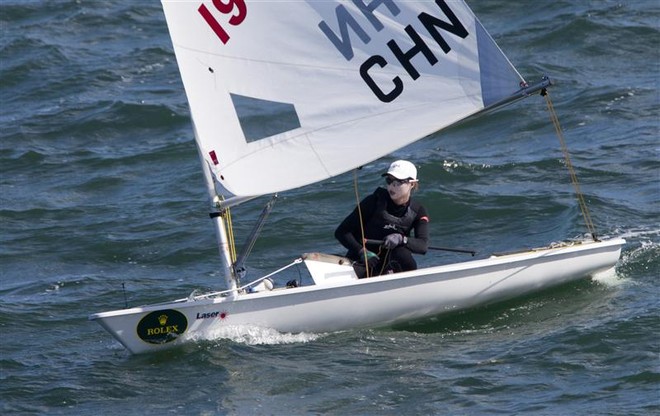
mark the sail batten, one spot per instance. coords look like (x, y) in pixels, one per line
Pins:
(327, 86)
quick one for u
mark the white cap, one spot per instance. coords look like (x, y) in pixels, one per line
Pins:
(402, 169)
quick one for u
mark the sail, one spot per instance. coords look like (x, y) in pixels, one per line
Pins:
(287, 93)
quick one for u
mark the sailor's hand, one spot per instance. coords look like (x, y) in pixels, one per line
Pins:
(392, 241)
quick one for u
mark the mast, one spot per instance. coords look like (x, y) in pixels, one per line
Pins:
(217, 215)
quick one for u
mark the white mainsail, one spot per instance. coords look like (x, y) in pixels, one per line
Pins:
(351, 80)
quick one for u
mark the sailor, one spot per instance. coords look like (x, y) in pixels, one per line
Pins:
(398, 223)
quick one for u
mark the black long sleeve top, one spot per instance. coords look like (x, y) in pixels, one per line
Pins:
(349, 235)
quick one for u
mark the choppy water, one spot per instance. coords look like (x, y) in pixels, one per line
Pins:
(100, 186)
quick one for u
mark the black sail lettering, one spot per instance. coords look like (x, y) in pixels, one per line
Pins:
(347, 29)
(431, 23)
(364, 72)
(405, 57)
(344, 21)
(368, 11)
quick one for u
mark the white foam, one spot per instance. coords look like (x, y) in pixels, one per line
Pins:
(609, 278)
(255, 335)
(640, 234)
(643, 247)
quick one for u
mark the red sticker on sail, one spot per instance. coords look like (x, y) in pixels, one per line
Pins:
(214, 157)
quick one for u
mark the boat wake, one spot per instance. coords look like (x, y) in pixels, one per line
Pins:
(609, 278)
(643, 235)
(255, 335)
(642, 249)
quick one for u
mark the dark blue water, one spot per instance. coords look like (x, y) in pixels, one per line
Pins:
(100, 186)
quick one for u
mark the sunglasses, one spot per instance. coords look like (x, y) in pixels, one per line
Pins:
(398, 182)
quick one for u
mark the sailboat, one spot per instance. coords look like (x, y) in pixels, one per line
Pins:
(351, 82)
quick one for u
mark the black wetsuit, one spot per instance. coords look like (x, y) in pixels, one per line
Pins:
(381, 216)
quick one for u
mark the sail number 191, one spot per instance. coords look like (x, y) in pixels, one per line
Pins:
(235, 8)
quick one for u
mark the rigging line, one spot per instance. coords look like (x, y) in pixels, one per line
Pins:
(385, 261)
(364, 240)
(580, 197)
(256, 231)
(254, 282)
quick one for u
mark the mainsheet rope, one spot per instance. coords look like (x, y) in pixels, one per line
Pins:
(580, 197)
(364, 240)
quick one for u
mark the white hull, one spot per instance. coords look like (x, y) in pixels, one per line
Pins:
(374, 302)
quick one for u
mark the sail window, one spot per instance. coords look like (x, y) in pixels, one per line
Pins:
(263, 118)
(498, 77)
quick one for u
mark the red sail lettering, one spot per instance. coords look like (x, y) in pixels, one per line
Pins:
(206, 14)
(224, 8)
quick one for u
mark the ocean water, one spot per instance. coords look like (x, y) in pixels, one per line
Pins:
(102, 203)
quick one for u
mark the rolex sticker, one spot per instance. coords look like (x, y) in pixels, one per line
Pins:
(160, 327)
